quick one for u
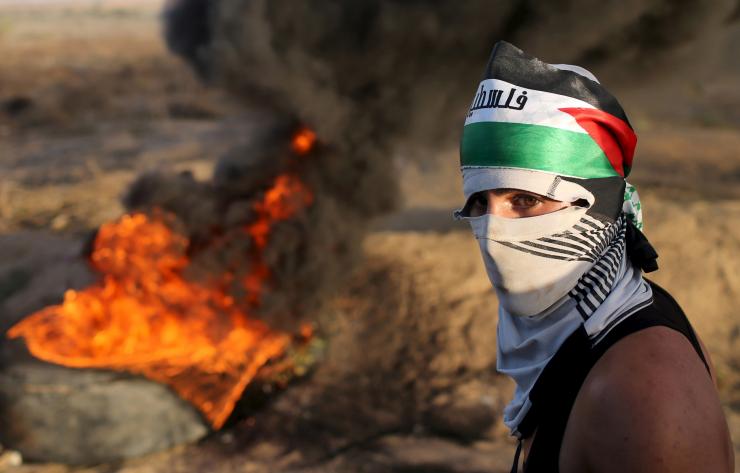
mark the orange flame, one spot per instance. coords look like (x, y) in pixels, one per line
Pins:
(303, 141)
(145, 317)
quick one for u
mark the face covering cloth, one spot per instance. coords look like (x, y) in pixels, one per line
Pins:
(555, 131)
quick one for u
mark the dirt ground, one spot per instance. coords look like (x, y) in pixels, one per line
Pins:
(89, 98)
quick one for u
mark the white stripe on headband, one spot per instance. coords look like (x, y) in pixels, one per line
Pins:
(578, 70)
(540, 182)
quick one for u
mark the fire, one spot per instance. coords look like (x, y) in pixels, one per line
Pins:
(303, 141)
(145, 317)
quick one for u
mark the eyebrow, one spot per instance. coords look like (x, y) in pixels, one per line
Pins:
(518, 191)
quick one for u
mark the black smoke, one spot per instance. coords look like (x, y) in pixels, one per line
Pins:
(393, 70)
(374, 78)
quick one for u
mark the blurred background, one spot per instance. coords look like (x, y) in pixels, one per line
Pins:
(109, 107)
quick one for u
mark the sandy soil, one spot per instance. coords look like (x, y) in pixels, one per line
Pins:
(89, 99)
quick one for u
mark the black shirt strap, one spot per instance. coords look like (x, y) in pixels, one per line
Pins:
(515, 466)
(555, 391)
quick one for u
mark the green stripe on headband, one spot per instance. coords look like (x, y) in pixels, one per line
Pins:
(543, 148)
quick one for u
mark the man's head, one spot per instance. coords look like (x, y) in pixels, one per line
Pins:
(544, 153)
(548, 129)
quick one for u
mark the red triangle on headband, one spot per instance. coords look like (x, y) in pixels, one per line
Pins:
(613, 135)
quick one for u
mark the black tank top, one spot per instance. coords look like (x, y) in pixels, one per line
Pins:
(556, 389)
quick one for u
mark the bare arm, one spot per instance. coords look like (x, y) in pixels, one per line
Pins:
(648, 405)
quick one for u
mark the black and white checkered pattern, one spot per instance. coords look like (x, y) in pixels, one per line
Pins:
(597, 283)
(592, 241)
(589, 240)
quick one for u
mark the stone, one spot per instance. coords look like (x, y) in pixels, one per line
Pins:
(52, 413)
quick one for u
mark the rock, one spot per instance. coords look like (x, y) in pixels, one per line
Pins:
(82, 416)
(10, 458)
(60, 222)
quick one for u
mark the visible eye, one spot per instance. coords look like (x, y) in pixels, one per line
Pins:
(525, 201)
(478, 204)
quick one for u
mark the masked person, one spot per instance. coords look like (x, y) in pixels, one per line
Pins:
(610, 376)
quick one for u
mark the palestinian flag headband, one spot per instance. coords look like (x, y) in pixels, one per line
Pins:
(551, 129)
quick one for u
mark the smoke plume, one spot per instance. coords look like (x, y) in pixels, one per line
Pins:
(373, 78)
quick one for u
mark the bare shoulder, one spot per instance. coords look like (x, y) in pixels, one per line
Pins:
(648, 405)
